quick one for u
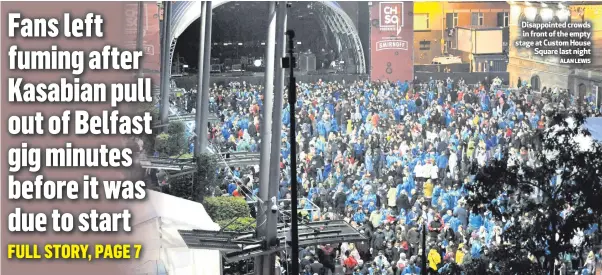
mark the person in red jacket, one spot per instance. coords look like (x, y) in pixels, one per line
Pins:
(350, 263)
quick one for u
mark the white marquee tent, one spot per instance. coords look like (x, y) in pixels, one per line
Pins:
(155, 226)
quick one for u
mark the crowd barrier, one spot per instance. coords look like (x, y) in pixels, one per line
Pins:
(432, 68)
(469, 78)
(189, 82)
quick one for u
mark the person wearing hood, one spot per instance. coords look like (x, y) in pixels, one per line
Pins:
(428, 190)
(460, 254)
(403, 202)
(376, 218)
(436, 226)
(434, 259)
(378, 240)
(590, 264)
(461, 213)
(402, 263)
(412, 268)
(381, 261)
(389, 234)
(476, 221)
(327, 257)
(392, 197)
(349, 263)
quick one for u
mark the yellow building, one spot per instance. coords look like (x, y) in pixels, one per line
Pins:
(433, 21)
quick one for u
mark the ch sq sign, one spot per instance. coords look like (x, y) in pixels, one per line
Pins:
(391, 17)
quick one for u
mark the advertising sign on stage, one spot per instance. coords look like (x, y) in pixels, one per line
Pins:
(150, 36)
(391, 37)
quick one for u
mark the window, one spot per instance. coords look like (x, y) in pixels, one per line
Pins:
(477, 19)
(451, 20)
(455, 19)
(503, 19)
(421, 22)
(425, 45)
(450, 44)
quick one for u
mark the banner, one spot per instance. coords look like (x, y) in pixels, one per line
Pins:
(150, 34)
(391, 41)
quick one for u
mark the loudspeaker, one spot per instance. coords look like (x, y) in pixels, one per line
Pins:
(307, 62)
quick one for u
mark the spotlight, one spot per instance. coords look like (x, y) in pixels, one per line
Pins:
(547, 14)
(257, 63)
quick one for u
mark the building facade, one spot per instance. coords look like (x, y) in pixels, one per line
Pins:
(436, 23)
(581, 80)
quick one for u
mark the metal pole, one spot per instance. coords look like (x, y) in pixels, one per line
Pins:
(204, 108)
(262, 263)
(140, 33)
(166, 65)
(276, 143)
(423, 263)
(292, 99)
(162, 42)
(199, 99)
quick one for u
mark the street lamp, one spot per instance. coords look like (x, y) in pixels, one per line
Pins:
(289, 62)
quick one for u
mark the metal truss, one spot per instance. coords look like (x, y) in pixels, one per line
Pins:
(172, 49)
(239, 159)
(167, 163)
(346, 37)
(191, 117)
(185, 13)
(239, 246)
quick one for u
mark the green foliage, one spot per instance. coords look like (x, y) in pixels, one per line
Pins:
(196, 186)
(177, 139)
(183, 187)
(542, 227)
(161, 144)
(155, 115)
(176, 128)
(207, 176)
(238, 225)
(226, 208)
(503, 260)
(172, 143)
(231, 213)
(184, 156)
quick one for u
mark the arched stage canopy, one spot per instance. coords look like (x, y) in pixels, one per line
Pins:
(184, 13)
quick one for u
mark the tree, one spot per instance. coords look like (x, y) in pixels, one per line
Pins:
(503, 260)
(177, 143)
(200, 184)
(231, 213)
(172, 143)
(149, 139)
(566, 176)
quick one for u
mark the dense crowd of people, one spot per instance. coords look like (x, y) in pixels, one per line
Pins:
(392, 158)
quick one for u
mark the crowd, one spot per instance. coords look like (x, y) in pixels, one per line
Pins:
(390, 158)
